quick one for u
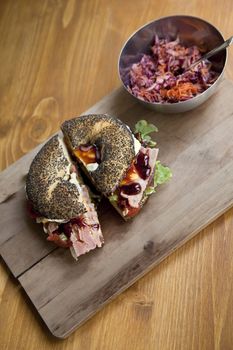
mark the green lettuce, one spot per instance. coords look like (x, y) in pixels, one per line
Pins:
(113, 198)
(143, 128)
(162, 175)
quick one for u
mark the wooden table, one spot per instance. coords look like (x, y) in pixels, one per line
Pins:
(57, 59)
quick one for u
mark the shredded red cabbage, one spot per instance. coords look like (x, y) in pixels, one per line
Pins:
(160, 76)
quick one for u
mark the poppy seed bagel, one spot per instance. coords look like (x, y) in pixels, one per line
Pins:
(48, 187)
(114, 141)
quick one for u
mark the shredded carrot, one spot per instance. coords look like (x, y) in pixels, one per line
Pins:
(179, 91)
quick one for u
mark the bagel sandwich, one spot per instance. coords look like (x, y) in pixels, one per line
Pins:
(58, 198)
(120, 165)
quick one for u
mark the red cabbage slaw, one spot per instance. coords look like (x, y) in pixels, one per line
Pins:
(160, 76)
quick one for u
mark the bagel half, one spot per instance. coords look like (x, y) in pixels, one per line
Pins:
(60, 201)
(111, 137)
(113, 159)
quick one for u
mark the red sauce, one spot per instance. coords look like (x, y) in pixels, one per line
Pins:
(66, 228)
(124, 204)
(140, 168)
(88, 154)
(142, 165)
(131, 189)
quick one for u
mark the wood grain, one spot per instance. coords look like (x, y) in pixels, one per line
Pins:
(66, 293)
(48, 50)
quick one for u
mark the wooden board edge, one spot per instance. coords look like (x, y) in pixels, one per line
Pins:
(177, 245)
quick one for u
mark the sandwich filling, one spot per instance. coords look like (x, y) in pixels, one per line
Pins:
(81, 230)
(80, 234)
(89, 155)
(129, 194)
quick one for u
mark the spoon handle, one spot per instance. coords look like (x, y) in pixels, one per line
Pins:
(213, 52)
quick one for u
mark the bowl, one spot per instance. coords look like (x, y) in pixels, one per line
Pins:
(191, 31)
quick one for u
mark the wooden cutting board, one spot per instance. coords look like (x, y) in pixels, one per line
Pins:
(197, 145)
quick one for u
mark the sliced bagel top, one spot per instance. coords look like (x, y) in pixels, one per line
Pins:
(54, 193)
(113, 139)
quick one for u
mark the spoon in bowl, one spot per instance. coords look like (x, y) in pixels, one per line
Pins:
(209, 54)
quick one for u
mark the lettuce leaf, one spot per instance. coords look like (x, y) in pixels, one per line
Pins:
(149, 190)
(143, 128)
(162, 175)
(113, 198)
